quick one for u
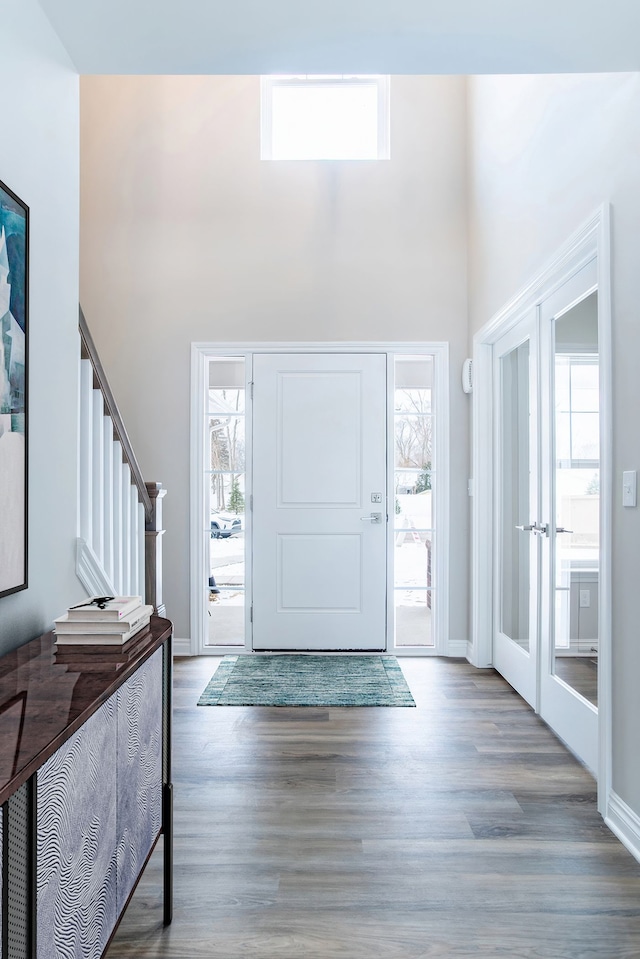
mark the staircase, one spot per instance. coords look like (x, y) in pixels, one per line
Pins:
(119, 550)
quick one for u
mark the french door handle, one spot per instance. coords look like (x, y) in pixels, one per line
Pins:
(561, 529)
(543, 530)
(373, 518)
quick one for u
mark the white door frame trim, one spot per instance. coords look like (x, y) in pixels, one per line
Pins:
(201, 352)
(591, 240)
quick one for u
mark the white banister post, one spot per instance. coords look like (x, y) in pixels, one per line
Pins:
(153, 549)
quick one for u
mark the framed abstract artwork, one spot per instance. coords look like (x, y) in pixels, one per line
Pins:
(14, 308)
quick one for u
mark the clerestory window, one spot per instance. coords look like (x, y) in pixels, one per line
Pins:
(325, 118)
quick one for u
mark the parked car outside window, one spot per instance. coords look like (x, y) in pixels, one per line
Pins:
(224, 525)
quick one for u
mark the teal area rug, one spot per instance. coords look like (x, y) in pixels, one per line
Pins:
(294, 680)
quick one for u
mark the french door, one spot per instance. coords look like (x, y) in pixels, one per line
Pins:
(547, 509)
(319, 502)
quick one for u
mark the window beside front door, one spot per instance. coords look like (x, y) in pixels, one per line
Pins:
(225, 472)
(413, 505)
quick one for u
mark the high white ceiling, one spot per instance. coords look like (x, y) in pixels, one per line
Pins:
(348, 36)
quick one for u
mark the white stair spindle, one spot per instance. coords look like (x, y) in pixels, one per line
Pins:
(86, 458)
(141, 553)
(117, 518)
(97, 498)
(135, 541)
(107, 472)
(125, 480)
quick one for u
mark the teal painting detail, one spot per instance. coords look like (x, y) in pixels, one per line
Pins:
(297, 680)
(14, 237)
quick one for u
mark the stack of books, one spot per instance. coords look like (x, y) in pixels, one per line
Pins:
(103, 621)
(100, 659)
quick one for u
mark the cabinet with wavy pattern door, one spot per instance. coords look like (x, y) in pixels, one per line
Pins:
(85, 751)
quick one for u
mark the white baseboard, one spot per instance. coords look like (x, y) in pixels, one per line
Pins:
(472, 657)
(181, 647)
(458, 647)
(625, 823)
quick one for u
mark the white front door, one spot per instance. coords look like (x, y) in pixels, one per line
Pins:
(319, 501)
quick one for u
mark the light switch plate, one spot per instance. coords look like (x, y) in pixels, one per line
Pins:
(629, 488)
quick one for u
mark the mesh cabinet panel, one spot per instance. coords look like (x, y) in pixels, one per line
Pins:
(76, 875)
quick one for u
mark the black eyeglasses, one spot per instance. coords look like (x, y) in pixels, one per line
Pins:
(99, 601)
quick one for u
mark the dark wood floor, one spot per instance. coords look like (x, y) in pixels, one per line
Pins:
(459, 829)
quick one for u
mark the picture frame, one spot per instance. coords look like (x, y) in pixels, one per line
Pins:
(14, 390)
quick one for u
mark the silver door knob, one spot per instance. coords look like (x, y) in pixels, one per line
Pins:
(373, 518)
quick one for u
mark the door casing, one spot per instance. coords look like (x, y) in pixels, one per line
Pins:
(200, 355)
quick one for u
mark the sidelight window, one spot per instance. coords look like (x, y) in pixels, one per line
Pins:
(413, 503)
(226, 471)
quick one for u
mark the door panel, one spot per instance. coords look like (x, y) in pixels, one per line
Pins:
(320, 419)
(516, 562)
(320, 571)
(319, 556)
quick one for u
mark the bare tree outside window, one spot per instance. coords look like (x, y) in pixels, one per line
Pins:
(414, 434)
(227, 446)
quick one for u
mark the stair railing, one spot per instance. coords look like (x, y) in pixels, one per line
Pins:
(119, 515)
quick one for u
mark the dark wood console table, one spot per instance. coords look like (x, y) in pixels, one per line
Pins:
(85, 789)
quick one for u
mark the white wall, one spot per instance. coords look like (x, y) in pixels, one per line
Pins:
(39, 162)
(545, 152)
(188, 236)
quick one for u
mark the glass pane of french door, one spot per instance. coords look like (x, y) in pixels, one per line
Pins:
(576, 485)
(515, 506)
